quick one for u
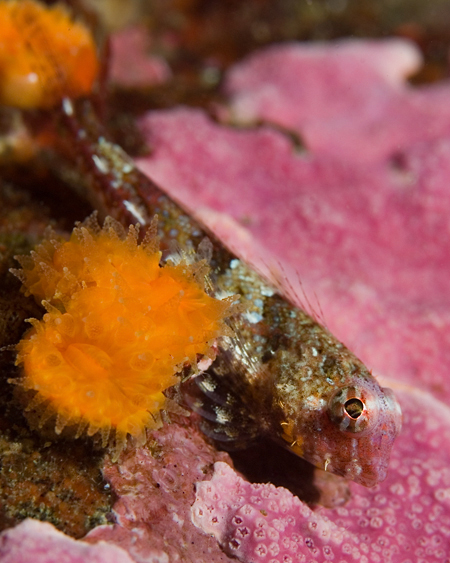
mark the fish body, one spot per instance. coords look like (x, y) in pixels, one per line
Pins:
(283, 375)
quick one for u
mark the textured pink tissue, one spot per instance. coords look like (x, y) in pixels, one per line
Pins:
(348, 100)
(155, 486)
(39, 542)
(133, 44)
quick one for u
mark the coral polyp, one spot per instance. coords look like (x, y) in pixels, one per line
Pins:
(44, 55)
(118, 328)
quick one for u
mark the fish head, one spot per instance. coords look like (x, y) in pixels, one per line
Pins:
(350, 432)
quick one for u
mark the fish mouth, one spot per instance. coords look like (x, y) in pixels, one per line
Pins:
(360, 473)
(355, 464)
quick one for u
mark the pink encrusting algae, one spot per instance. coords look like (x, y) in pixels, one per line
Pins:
(146, 70)
(284, 84)
(155, 487)
(40, 542)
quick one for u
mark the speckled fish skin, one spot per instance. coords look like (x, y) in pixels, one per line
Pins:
(284, 375)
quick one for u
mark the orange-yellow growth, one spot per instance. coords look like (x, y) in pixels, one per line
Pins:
(118, 328)
(44, 55)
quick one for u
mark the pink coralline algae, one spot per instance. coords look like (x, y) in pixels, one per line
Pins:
(260, 522)
(147, 70)
(365, 113)
(155, 486)
(42, 543)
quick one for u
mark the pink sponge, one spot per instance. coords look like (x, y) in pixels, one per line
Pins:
(260, 522)
(347, 99)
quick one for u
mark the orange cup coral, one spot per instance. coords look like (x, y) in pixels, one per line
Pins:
(44, 55)
(118, 328)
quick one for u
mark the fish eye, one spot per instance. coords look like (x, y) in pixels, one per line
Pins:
(352, 410)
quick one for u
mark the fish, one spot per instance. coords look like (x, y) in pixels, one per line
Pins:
(287, 378)
(283, 375)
